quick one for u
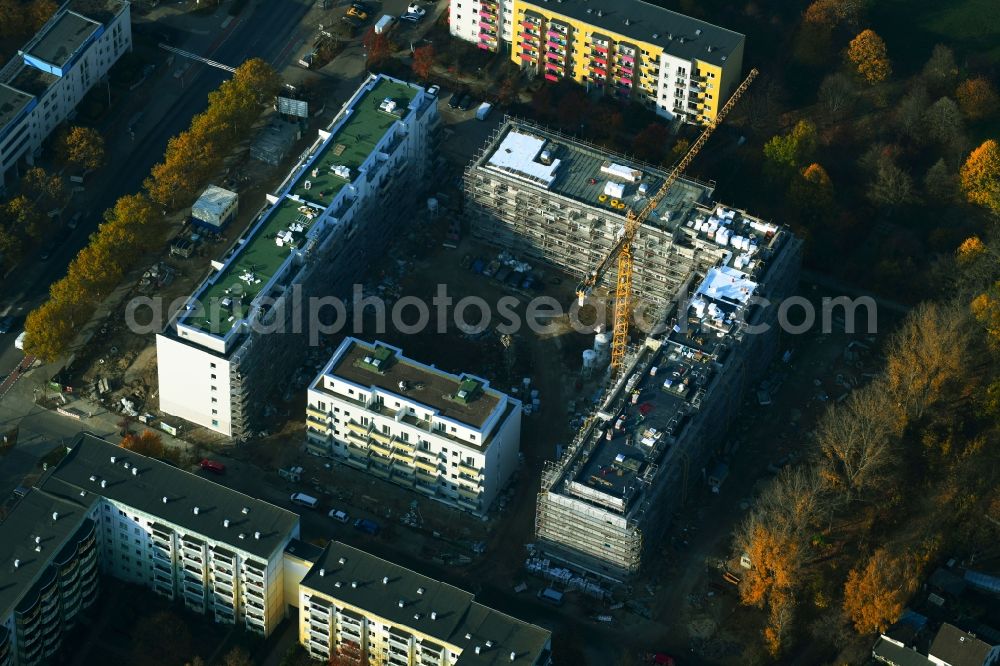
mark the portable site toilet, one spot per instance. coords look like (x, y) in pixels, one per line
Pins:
(214, 208)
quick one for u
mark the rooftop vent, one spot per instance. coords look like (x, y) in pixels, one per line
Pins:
(513, 656)
(468, 637)
(256, 535)
(590, 10)
(709, 48)
(242, 535)
(600, 12)
(420, 590)
(113, 459)
(627, 21)
(195, 510)
(681, 39)
(246, 510)
(83, 493)
(434, 615)
(93, 478)
(322, 572)
(478, 649)
(342, 560)
(38, 549)
(354, 584)
(164, 499)
(489, 644)
(385, 580)
(135, 471)
(104, 483)
(225, 523)
(38, 539)
(126, 464)
(337, 584)
(656, 35)
(416, 616)
(55, 516)
(697, 31)
(401, 603)
(17, 563)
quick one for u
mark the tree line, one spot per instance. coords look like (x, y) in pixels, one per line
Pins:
(896, 476)
(135, 225)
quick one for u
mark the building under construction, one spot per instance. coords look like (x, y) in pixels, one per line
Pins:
(700, 266)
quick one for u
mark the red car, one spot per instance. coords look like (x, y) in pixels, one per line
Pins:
(212, 466)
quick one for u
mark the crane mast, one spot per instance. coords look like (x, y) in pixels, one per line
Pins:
(622, 249)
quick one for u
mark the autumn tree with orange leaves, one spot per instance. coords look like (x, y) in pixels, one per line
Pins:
(980, 176)
(423, 61)
(868, 54)
(978, 98)
(876, 593)
(147, 443)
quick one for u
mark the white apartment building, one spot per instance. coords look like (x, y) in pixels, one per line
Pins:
(450, 437)
(355, 605)
(41, 86)
(235, 340)
(105, 509)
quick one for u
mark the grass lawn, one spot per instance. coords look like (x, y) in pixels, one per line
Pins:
(911, 28)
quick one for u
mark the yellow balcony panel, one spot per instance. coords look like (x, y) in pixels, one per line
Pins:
(356, 439)
(381, 437)
(402, 456)
(358, 428)
(380, 449)
(404, 446)
(469, 469)
(468, 494)
(469, 483)
(426, 477)
(316, 414)
(424, 465)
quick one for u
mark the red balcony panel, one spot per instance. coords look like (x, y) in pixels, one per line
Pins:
(529, 24)
(556, 34)
(551, 77)
(529, 37)
(557, 46)
(488, 13)
(484, 46)
(528, 56)
(600, 61)
(627, 71)
(598, 47)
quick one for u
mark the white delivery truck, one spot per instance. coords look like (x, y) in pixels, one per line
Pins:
(302, 499)
(384, 24)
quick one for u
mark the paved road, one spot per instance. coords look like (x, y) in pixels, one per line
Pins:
(264, 29)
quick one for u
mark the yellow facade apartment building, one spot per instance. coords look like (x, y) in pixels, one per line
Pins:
(682, 67)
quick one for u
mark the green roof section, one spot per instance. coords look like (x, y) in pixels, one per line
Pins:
(353, 141)
(228, 298)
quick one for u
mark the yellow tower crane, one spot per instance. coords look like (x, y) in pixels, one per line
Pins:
(622, 250)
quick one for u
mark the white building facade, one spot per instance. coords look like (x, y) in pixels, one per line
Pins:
(450, 437)
(41, 86)
(107, 510)
(243, 329)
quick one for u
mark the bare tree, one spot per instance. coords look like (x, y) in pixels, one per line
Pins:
(856, 441)
(837, 94)
(929, 351)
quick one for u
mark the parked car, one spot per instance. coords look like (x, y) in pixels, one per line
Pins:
(434, 90)
(338, 515)
(410, 18)
(414, 8)
(455, 99)
(466, 103)
(7, 323)
(302, 499)
(74, 221)
(554, 597)
(213, 466)
(19, 342)
(367, 526)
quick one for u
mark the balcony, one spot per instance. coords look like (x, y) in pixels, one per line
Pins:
(317, 415)
(529, 56)
(529, 37)
(555, 35)
(486, 12)
(467, 493)
(557, 48)
(530, 25)
(603, 48)
(486, 26)
(468, 504)
(380, 449)
(471, 470)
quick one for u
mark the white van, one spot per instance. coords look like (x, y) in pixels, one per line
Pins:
(19, 341)
(302, 499)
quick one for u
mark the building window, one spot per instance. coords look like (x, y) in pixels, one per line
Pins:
(211, 365)
(215, 422)
(214, 388)
(215, 411)
(215, 400)
(405, 436)
(213, 376)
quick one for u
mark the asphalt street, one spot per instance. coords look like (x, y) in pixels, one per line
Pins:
(264, 29)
